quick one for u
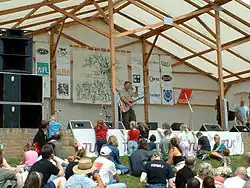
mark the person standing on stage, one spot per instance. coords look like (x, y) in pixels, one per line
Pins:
(126, 96)
(101, 131)
(242, 113)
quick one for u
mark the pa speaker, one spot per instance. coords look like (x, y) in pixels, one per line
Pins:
(210, 127)
(239, 128)
(109, 125)
(152, 125)
(80, 124)
(176, 126)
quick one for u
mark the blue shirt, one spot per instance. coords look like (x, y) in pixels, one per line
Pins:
(152, 146)
(54, 127)
(115, 154)
(242, 111)
(80, 181)
(221, 147)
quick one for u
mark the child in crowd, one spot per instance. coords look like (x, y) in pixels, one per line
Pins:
(226, 162)
(152, 144)
(54, 126)
(218, 147)
(144, 130)
(133, 135)
(204, 147)
(76, 145)
(30, 155)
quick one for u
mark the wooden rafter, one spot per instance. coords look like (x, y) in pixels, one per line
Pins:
(72, 16)
(74, 40)
(101, 11)
(244, 22)
(58, 39)
(206, 26)
(227, 88)
(151, 49)
(243, 3)
(239, 56)
(237, 74)
(239, 80)
(236, 42)
(128, 44)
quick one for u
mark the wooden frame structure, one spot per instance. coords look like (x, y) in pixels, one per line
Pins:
(146, 34)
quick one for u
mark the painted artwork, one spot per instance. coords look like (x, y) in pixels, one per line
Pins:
(92, 75)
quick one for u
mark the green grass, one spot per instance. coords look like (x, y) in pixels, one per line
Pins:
(134, 182)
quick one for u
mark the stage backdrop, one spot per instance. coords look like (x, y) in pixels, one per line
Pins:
(92, 75)
(87, 138)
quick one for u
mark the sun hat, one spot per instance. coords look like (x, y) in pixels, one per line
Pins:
(105, 151)
(85, 166)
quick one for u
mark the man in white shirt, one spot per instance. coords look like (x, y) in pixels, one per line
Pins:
(242, 113)
(107, 169)
(238, 181)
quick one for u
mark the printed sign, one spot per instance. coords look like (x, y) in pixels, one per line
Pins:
(185, 96)
(42, 68)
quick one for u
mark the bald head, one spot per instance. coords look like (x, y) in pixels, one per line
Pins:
(190, 162)
(241, 172)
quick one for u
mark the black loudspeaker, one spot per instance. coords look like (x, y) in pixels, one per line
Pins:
(21, 88)
(240, 128)
(16, 51)
(176, 126)
(210, 127)
(152, 125)
(20, 116)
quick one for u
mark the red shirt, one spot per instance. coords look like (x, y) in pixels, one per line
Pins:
(133, 135)
(101, 132)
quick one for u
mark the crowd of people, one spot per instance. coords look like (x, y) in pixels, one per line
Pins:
(171, 164)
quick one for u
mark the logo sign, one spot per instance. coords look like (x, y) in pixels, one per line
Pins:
(62, 52)
(42, 51)
(136, 78)
(165, 64)
(166, 78)
(185, 95)
(168, 95)
(42, 68)
(153, 79)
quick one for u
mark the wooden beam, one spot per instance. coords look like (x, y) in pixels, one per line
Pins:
(199, 89)
(133, 31)
(52, 73)
(127, 44)
(220, 72)
(239, 19)
(190, 73)
(75, 40)
(237, 74)
(58, 39)
(239, 56)
(206, 26)
(79, 21)
(101, 11)
(145, 80)
(151, 49)
(243, 3)
(239, 80)
(236, 42)
(227, 88)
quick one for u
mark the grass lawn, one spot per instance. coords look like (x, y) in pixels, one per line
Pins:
(133, 182)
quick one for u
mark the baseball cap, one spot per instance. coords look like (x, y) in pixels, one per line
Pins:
(105, 151)
(152, 152)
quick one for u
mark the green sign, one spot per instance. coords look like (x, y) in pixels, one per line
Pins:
(42, 68)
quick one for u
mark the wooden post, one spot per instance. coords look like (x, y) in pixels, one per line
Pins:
(145, 79)
(112, 60)
(219, 62)
(52, 72)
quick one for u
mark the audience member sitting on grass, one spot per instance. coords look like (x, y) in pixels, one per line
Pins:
(47, 168)
(41, 138)
(6, 176)
(139, 158)
(35, 179)
(193, 183)
(226, 168)
(156, 172)
(204, 170)
(115, 155)
(107, 169)
(54, 127)
(218, 147)
(133, 135)
(69, 169)
(85, 176)
(184, 174)
(204, 147)
(151, 143)
(76, 145)
(3, 162)
(175, 156)
(101, 131)
(164, 143)
(144, 130)
(237, 181)
(30, 155)
(208, 182)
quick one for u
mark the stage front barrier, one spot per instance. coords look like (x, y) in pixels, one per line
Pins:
(86, 137)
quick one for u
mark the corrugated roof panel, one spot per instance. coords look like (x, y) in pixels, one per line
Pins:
(230, 79)
(17, 3)
(243, 50)
(12, 16)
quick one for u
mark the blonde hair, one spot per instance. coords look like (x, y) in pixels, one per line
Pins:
(216, 136)
(72, 141)
(184, 128)
(113, 141)
(133, 125)
(143, 126)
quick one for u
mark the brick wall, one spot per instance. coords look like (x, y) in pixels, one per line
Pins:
(15, 139)
(246, 141)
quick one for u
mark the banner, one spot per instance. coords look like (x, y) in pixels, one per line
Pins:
(184, 96)
(92, 75)
(86, 137)
(63, 72)
(137, 74)
(42, 63)
(166, 80)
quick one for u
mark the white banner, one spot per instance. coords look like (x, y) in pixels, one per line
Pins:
(42, 57)
(92, 75)
(86, 137)
(63, 70)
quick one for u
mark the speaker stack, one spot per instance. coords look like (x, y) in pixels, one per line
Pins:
(21, 95)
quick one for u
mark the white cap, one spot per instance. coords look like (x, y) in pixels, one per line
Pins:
(105, 151)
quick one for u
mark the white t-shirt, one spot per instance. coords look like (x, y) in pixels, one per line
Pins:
(106, 169)
(234, 182)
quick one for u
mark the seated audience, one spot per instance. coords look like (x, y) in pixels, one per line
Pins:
(54, 127)
(56, 141)
(144, 130)
(35, 179)
(115, 155)
(133, 135)
(237, 181)
(107, 169)
(30, 155)
(41, 138)
(247, 158)
(208, 182)
(218, 147)
(45, 167)
(175, 156)
(219, 181)
(76, 145)
(226, 168)
(164, 143)
(69, 169)
(193, 183)
(152, 144)
(139, 158)
(7, 175)
(165, 126)
(204, 147)
(3, 162)
(204, 170)
(247, 184)
(156, 172)
(85, 176)
(184, 174)
(101, 131)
